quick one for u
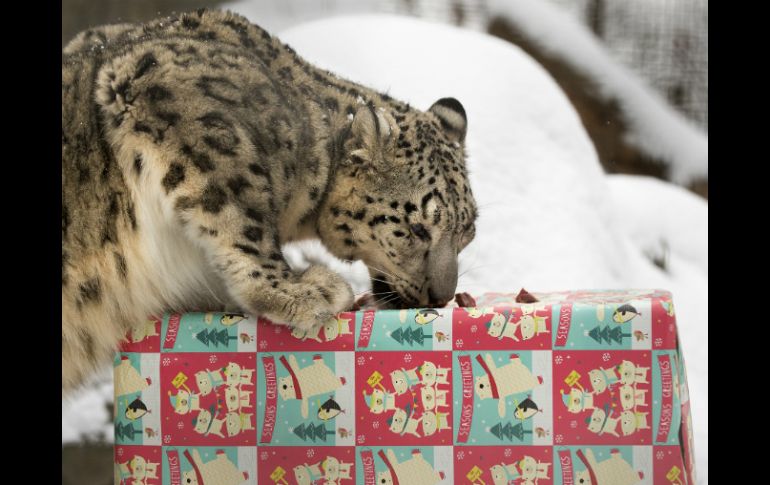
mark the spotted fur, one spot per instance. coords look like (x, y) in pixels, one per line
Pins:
(194, 146)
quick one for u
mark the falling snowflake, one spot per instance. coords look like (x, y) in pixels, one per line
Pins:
(573, 424)
(474, 328)
(606, 356)
(212, 359)
(166, 361)
(659, 455)
(120, 452)
(658, 342)
(407, 358)
(559, 438)
(310, 453)
(180, 425)
(263, 344)
(167, 438)
(263, 456)
(360, 360)
(361, 438)
(460, 455)
(558, 359)
(375, 424)
(459, 343)
(508, 452)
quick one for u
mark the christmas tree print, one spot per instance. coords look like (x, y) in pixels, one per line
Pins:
(509, 431)
(126, 432)
(410, 335)
(313, 432)
(608, 334)
(216, 337)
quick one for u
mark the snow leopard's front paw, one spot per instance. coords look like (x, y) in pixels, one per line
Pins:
(311, 300)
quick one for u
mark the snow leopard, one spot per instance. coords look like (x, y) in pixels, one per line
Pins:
(195, 146)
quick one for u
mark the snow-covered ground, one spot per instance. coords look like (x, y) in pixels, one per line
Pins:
(550, 219)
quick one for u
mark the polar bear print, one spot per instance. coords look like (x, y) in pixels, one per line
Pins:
(475, 312)
(335, 470)
(430, 374)
(237, 422)
(305, 383)
(630, 373)
(631, 397)
(631, 421)
(602, 378)
(612, 471)
(235, 375)
(335, 327)
(577, 400)
(600, 422)
(127, 378)
(433, 422)
(433, 398)
(380, 401)
(208, 380)
(138, 469)
(307, 474)
(144, 330)
(501, 382)
(205, 423)
(532, 469)
(414, 471)
(402, 422)
(219, 471)
(237, 398)
(521, 471)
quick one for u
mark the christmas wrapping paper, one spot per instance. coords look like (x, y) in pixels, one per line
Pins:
(579, 387)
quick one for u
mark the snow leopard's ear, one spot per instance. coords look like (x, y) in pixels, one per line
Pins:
(375, 133)
(452, 116)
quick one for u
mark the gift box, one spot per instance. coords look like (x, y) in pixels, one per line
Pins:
(558, 388)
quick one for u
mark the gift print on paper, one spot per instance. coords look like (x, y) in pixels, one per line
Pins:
(307, 465)
(137, 398)
(404, 330)
(603, 397)
(603, 465)
(514, 327)
(143, 337)
(137, 464)
(502, 398)
(596, 322)
(305, 397)
(403, 465)
(336, 334)
(209, 399)
(208, 332)
(404, 398)
(209, 465)
(502, 465)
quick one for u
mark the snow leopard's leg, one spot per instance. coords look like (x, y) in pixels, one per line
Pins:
(214, 181)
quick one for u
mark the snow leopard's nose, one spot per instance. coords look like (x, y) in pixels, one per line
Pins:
(436, 301)
(442, 272)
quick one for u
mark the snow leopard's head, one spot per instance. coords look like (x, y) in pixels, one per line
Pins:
(400, 200)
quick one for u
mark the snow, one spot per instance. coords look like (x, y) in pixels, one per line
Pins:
(550, 219)
(655, 127)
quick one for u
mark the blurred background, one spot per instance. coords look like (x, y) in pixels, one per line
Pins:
(635, 72)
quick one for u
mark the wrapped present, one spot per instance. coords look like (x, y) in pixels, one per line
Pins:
(558, 388)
